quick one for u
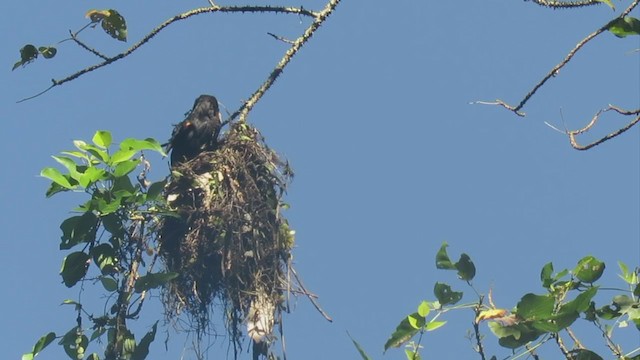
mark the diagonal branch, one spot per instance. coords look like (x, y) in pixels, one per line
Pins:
(179, 17)
(554, 71)
(297, 44)
(573, 133)
(566, 4)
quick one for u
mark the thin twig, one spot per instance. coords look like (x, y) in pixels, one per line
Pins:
(280, 38)
(566, 4)
(84, 46)
(179, 17)
(554, 71)
(298, 43)
(573, 133)
(561, 345)
(313, 301)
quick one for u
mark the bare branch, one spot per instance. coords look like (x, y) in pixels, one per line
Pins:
(179, 17)
(554, 71)
(573, 133)
(566, 4)
(95, 52)
(297, 44)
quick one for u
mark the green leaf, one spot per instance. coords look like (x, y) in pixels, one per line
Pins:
(56, 176)
(545, 275)
(153, 280)
(423, 309)
(432, 325)
(102, 138)
(47, 52)
(361, 351)
(555, 323)
(581, 302)
(109, 284)
(442, 258)
(465, 267)
(403, 333)
(113, 224)
(589, 269)
(624, 27)
(105, 257)
(125, 167)
(91, 175)
(608, 2)
(28, 53)
(74, 268)
(42, 343)
(514, 336)
(445, 295)
(142, 350)
(115, 25)
(155, 190)
(416, 321)
(584, 354)
(138, 145)
(535, 307)
(121, 156)
(412, 354)
(98, 153)
(78, 229)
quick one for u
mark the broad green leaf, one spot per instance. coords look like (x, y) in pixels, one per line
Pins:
(138, 145)
(113, 224)
(123, 183)
(90, 176)
(535, 307)
(545, 275)
(416, 321)
(47, 52)
(361, 351)
(589, 269)
(78, 229)
(74, 268)
(121, 156)
(442, 258)
(445, 295)
(142, 350)
(115, 25)
(42, 343)
(556, 322)
(56, 176)
(465, 267)
(584, 354)
(630, 277)
(514, 336)
(98, 153)
(102, 138)
(624, 27)
(125, 167)
(155, 190)
(109, 284)
(153, 280)
(403, 333)
(78, 154)
(105, 257)
(581, 302)
(423, 309)
(432, 325)
(28, 53)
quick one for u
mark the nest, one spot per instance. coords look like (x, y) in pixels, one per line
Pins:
(229, 243)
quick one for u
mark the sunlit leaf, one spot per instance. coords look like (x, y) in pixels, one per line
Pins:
(624, 27)
(432, 325)
(56, 176)
(102, 138)
(403, 333)
(589, 269)
(423, 309)
(138, 145)
(42, 343)
(125, 167)
(442, 258)
(535, 307)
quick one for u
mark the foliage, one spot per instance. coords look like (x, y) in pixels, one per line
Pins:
(536, 318)
(109, 242)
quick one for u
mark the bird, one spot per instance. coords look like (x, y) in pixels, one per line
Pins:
(197, 133)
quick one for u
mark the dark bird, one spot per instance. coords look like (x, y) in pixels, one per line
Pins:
(198, 132)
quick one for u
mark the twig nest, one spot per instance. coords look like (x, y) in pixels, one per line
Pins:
(229, 241)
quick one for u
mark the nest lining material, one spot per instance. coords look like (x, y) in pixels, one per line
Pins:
(230, 242)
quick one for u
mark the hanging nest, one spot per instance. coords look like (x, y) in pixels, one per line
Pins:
(229, 243)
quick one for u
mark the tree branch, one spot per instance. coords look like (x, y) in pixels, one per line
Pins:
(179, 17)
(297, 44)
(554, 71)
(566, 4)
(573, 133)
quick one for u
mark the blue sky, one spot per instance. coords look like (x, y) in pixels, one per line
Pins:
(390, 158)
